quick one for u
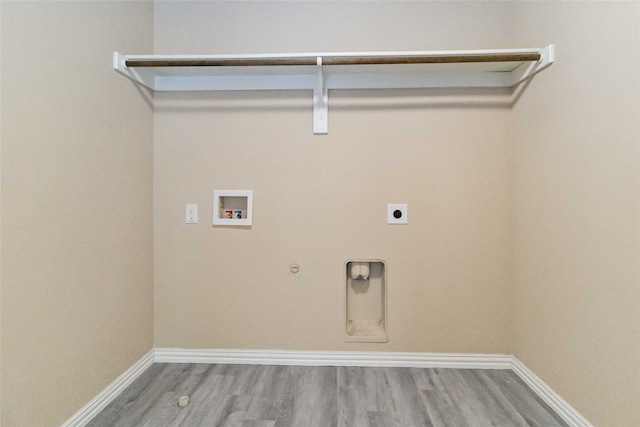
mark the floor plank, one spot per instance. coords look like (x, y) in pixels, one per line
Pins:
(307, 396)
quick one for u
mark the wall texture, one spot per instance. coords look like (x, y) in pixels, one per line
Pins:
(577, 235)
(320, 200)
(76, 205)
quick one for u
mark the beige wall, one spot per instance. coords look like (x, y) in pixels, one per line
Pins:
(0, 225)
(577, 234)
(76, 205)
(320, 200)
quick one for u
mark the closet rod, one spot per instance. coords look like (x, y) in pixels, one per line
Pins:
(333, 60)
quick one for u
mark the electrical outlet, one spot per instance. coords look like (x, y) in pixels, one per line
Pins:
(192, 214)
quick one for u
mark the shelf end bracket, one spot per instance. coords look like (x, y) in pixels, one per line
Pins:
(547, 57)
(120, 65)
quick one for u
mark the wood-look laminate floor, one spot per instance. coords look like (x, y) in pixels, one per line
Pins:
(300, 396)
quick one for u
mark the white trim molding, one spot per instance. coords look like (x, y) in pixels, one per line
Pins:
(113, 390)
(548, 396)
(334, 358)
(331, 358)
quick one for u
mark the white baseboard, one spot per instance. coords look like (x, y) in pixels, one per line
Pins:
(334, 358)
(548, 396)
(331, 358)
(113, 390)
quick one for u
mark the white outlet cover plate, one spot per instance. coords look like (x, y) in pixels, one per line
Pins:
(192, 213)
(404, 218)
